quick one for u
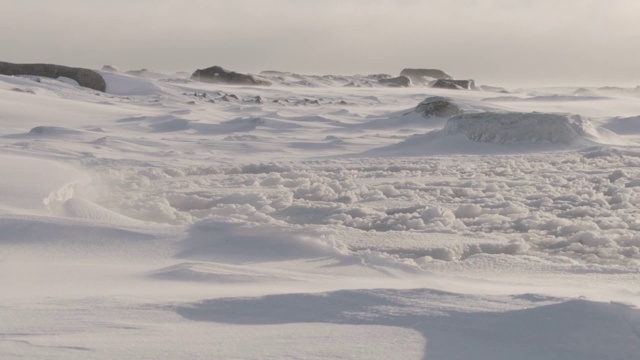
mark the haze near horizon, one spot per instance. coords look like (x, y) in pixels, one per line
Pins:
(496, 41)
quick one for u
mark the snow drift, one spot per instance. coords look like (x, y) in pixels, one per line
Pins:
(509, 128)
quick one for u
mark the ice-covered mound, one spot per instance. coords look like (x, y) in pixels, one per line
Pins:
(508, 128)
(514, 132)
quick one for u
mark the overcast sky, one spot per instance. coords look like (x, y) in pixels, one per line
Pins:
(509, 42)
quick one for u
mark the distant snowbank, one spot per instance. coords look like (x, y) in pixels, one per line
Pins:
(508, 128)
(624, 126)
(125, 85)
(514, 132)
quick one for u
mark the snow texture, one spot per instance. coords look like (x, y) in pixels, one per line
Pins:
(321, 217)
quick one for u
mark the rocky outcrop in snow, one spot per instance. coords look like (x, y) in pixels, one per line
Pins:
(455, 84)
(400, 81)
(219, 75)
(84, 77)
(437, 106)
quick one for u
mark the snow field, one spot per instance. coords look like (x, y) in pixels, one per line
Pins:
(169, 218)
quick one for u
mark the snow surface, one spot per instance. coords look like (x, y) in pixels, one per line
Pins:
(168, 218)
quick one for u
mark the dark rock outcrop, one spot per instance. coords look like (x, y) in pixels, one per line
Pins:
(455, 84)
(421, 73)
(84, 77)
(438, 106)
(219, 75)
(400, 81)
(490, 88)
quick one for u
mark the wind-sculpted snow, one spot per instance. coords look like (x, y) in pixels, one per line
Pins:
(507, 128)
(558, 205)
(321, 217)
(613, 328)
(624, 126)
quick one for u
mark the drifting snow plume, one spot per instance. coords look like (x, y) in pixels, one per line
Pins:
(505, 128)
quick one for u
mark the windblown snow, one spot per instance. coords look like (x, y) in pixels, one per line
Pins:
(321, 217)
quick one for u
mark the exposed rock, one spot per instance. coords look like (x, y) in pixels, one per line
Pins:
(455, 84)
(218, 75)
(400, 81)
(496, 89)
(256, 99)
(424, 76)
(84, 77)
(229, 97)
(438, 106)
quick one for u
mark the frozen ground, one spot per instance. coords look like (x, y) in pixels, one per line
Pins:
(173, 219)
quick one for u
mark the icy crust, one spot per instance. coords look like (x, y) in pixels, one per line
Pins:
(513, 128)
(579, 207)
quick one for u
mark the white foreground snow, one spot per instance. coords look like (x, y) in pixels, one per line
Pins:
(171, 219)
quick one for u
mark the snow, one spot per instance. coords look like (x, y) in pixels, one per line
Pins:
(522, 127)
(168, 218)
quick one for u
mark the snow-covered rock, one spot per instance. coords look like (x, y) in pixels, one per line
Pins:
(506, 128)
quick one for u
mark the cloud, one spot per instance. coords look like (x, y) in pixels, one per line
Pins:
(490, 40)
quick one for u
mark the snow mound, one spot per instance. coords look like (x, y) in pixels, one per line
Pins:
(535, 328)
(128, 85)
(84, 209)
(493, 132)
(53, 131)
(213, 273)
(624, 126)
(430, 113)
(508, 128)
(438, 106)
(228, 242)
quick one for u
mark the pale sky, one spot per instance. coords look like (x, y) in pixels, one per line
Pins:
(502, 42)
